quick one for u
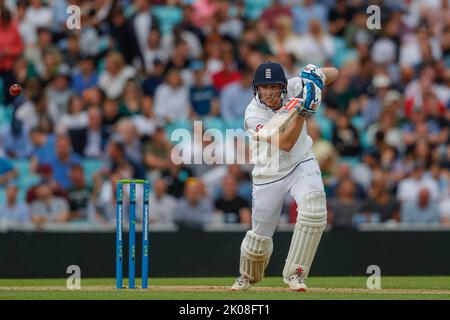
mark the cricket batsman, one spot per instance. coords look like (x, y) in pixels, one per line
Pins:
(297, 173)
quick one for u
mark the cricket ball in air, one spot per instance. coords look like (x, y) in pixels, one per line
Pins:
(15, 90)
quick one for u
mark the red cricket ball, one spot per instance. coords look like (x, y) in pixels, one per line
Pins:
(15, 90)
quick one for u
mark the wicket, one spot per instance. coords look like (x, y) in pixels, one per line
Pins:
(132, 233)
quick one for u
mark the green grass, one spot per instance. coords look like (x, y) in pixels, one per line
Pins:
(104, 289)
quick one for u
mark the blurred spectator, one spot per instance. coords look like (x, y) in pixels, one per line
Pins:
(49, 66)
(227, 25)
(63, 160)
(346, 137)
(307, 11)
(23, 72)
(426, 95)
(270, 14)
(409, 188)
(228, 73)
(194, 209)
(39, 14)
(45, 173)
(72, 51)
(356, 31)
(242, 176)
(157, 151)
(7, 171)
(235, 97)
(421, 209)
(124, 37)
(16, 141)
(35, 54)
(385, 49)
(111, 115)
(345, 173)
(386, 124)
(127, 133)
(59, 91)
(282, 40)
(340, 94)
(339, 17)
(188, 24)
(213, 54)
(143, 23)
(188, 40)
(113, 79)
(48, 208)
(289, 62)
(316, 46)
(253, 42)
(234, 208)
(163, 205)
(179, 60)
(104, 196)
(14, 211)
(79, 194)
(26, 27)
(75, 118)
(203, 97)
(325, 153)
(90, 141)
(363, 171)
(11, 46)
(59, 15)
(155, 78)
(117, 160)
(372, 109)
(131, 98)
(86, 77)
(419, 127)
(38, 108)
(94, 97)
(154, 50)
(172, 98)
(345, 205)
(43, 147)
(422, 152)
(176, 177)
(380, 200)
(146, 121)
(91, 41)
(419, 47)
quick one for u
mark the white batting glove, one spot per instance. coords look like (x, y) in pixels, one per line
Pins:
(311, 97)
(312, 73)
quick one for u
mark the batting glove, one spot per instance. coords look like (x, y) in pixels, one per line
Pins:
(312, 97)
(312, 73)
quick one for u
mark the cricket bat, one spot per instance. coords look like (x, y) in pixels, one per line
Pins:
(280, 121)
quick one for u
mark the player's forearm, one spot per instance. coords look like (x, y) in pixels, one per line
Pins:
(331, 74)
(288, 138)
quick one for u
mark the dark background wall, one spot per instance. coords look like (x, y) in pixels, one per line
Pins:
(178, 254)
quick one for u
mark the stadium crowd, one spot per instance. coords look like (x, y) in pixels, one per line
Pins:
(100, 103)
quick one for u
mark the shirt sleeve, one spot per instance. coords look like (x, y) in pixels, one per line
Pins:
(253, 124)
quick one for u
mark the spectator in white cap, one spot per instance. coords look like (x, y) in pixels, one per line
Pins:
(372, 109)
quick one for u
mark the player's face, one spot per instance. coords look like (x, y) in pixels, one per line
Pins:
(270, 94)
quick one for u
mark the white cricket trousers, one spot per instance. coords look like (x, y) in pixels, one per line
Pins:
(268, 198)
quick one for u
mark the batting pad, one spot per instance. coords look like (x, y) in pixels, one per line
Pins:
(311, 221)
(255, 255)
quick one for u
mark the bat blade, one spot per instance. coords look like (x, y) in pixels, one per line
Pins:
(280, 121)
